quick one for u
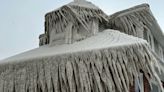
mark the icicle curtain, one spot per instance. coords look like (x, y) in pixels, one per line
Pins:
(60, 18)
(103, 70)
(140, 22)
(133, 20)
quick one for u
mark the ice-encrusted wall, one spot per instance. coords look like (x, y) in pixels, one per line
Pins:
(156, 47)
(71, 33)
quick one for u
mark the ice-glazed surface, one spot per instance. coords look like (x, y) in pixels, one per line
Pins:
(106, 39)
(88, 65)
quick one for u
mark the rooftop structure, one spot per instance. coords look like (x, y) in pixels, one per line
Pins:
(72, 22)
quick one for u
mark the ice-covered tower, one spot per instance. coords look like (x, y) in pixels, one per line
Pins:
(72, 22)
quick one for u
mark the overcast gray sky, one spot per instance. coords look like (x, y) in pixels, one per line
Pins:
(21, 21)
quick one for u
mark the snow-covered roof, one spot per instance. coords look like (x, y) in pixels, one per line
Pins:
(83, 3)
(109, 60)
(130, 10)
(138, 16)
(106, 39)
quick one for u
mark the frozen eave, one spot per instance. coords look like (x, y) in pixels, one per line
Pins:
(106, 39)
(109, 60)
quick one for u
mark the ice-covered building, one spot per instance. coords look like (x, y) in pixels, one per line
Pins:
(85, 50)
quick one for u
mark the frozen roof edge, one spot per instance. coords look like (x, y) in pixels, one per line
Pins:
(130, 10)
(88, 5)
(85, 45)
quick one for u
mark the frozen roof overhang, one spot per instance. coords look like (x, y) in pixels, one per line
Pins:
(82, 65)
(106, 39)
